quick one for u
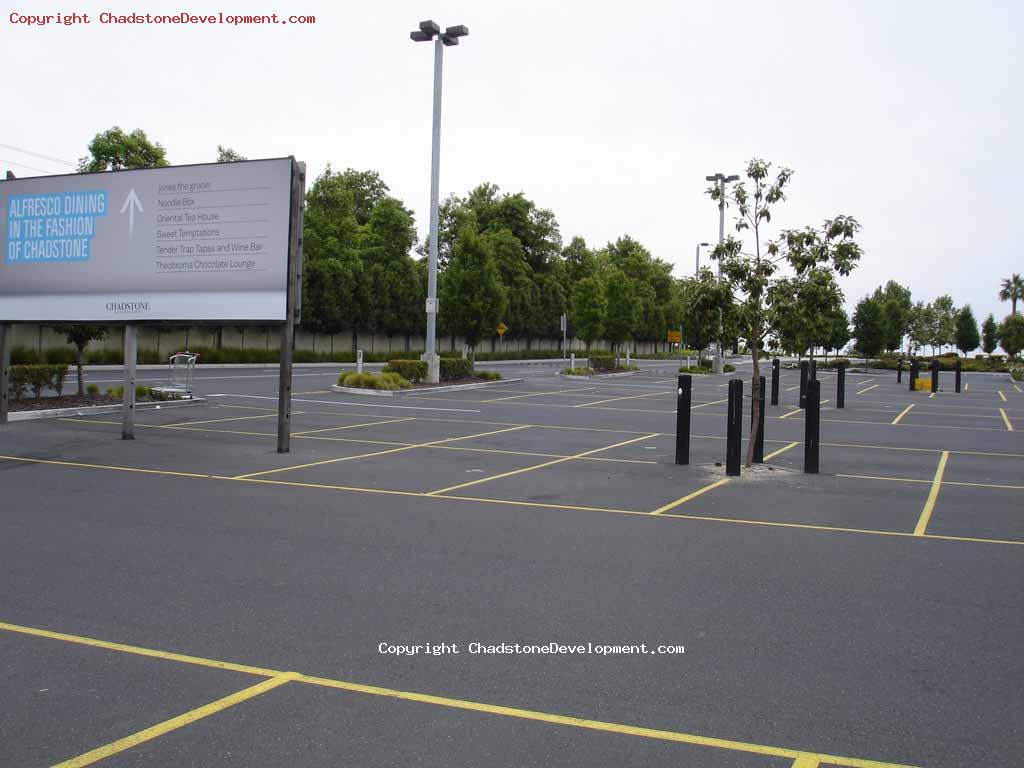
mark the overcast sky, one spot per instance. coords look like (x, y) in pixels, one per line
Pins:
(906, 115)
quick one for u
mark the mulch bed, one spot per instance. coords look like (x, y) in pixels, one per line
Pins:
(66, 401)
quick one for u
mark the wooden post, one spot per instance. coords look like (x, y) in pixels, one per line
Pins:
(6, 336)
(284, 391)
(130, 349)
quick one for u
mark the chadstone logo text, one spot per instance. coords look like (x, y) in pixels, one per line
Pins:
(128, 306)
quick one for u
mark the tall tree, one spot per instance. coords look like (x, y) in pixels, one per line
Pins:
(115, 150)
(1011, 334)
(621, 315)
(922, 331)
(587, 309)
(945, 321)
(967, 338)
(869, 326)
(702, 296)
(831, 247)
(989, 335)
(1012, 291)
(896, 308)
(228, 155)
(477, 299)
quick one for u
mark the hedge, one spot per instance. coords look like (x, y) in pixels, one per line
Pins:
(411, 370)
(455, 368)
(388, 381)
(37, 378)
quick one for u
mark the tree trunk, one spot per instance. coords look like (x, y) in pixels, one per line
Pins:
(81, 377)
(755, 395)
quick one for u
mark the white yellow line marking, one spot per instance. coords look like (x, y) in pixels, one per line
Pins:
(780, 451)
(866, 389)
(926, 514)
(903, 413)
(1002, 396)
(689, 496)
(1006, 420)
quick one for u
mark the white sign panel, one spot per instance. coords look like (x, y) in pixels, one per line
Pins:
(196, 242)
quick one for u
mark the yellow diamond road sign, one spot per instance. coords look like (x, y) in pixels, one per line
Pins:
(501, 329)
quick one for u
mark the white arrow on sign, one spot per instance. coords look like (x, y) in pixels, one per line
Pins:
(130, 204)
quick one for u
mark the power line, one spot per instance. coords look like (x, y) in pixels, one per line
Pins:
(40, 156)
(22, 165)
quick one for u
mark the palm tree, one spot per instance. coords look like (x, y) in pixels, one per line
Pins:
(1013, 291)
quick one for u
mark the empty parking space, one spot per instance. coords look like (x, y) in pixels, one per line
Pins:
(543, 512)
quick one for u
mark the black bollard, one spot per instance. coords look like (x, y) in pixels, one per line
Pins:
(841, 385)
(812, 427)
(935, 375)
(914, 369)
(734, 428)
(775, 381)
(803, 383)
(899, 370)
(958, 375)
(758, 437)
(814, 369)
(683, 400)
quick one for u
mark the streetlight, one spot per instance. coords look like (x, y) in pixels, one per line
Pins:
(428, 31)
(722, 180)
(697, 270)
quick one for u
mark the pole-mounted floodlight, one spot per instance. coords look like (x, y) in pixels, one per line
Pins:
(431, 31)
(722, 180)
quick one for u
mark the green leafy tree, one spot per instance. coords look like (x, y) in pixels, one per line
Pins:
(701, 298)
(228, 155)
(115, 150)
(839, 330)
(1012, 291)
(802, 309)
(869, 326)
(621, 314)
(81, 335)
(830, 247)
(944, 333)
(476, 299)
(588, 309)
(989, 335)
(967, 337)
(580, 261)
(1011, 334)
(896, 308)
(923, 324)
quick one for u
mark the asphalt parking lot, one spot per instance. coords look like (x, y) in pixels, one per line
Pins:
(194, 598)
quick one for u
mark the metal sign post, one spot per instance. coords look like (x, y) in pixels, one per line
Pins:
(284, 390)
(6, 332)
(130, 358)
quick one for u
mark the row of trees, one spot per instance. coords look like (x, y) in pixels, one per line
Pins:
(882, 320)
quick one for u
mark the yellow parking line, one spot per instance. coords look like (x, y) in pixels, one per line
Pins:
(539, 466)
(967, 386)
(780, 451)
(1001, 395)
(806, 761)
(1006, 420)
(375, 453)
(903, 413)
(687, 497)
(1018, 388)
(217, 421)
(867, 389)
(280, 678)
(624, 397)
(122, 648)
(101, 753)
(932, 395)
(710, 402)
(791, 413)
(926, 513)
(352, 426)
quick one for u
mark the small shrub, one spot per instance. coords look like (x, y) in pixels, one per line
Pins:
(411, 370)
(488, 375)
(577, 371)
(142, 392)
(695, 369)
(92, 390)
(728, 368)
(118, 391)
(602, 361)
(455, 368)
(381, 381)
(1017, 374)
(37, 377)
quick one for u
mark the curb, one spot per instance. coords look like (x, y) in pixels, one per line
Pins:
(56, 413)
(413, 392)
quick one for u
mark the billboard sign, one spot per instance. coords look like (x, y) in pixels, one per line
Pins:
(190, 243)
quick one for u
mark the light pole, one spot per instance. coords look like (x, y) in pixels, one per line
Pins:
(697, 270)
(721, 179)
(428, 31)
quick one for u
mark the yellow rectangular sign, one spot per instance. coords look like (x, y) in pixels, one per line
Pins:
(673, 337)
